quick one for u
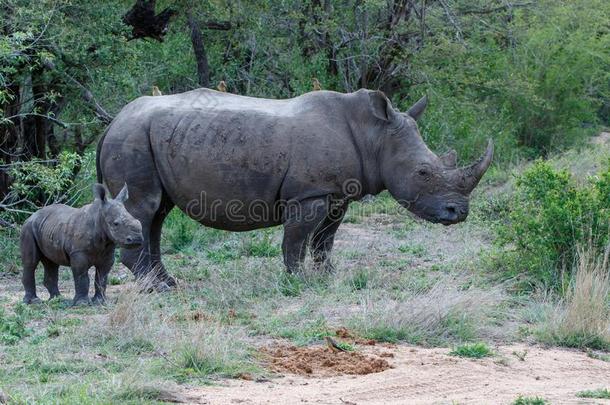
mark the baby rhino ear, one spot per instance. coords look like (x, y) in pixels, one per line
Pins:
(123, 194)
(99, 192)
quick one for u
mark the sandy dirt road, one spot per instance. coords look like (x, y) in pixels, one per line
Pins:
(431, 376)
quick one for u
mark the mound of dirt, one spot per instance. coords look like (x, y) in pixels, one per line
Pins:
(345, 333)
(321, 361)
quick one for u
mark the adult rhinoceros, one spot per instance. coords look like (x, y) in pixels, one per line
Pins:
(242, 163)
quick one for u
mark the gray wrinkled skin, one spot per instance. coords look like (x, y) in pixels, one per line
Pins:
(204, 150)
(59, 235)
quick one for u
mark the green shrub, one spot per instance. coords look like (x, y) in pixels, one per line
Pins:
(179, 230)
(39, 182)
(261, 244)
(551, 216)
(472, 350)
(602, 393)
(529, 401)
(12, 327)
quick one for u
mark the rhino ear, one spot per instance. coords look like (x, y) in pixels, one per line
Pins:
(381, 106)
(99, 192)
(123, 194)
(418, 108)
(449, 159)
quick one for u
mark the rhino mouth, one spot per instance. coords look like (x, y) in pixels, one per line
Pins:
(132, 243)
(445, 217)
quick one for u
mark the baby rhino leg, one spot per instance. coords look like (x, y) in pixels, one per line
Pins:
(30, 257)
(80, 271)
(101, 279)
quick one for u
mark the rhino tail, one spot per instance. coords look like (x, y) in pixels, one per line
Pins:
(98, 165)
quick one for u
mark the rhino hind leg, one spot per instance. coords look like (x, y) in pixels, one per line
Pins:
(30, 257)
(51, 278)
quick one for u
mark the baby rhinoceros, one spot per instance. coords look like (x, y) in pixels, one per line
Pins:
(59, 235)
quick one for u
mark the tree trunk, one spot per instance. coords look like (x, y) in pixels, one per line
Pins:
(203, 68)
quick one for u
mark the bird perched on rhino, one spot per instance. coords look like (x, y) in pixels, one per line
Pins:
(316, 84)
(332, 345)
(222, 86)
(156, 91)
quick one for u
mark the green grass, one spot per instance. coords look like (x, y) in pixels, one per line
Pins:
(261, 244)
(414, 250)
(602, 393)
(382, 333)
(140, 393)
(222, 254)
(529, 401)
(359, 280)
(13, 327)
(114, 280)
(472, 350)
(345, 346)
(598, 356)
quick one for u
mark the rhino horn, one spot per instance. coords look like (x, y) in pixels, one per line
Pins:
(472, 174)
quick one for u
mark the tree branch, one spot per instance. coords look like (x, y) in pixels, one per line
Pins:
(217, 25)
(54, 120)
(494, 9)
(203, 68)
(453, 21)
(100, 112)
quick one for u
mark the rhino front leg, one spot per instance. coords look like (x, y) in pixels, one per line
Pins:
(300, 223)
(324, 237)
(80, 271)
(147, 258)
(155, 243)
(101, 280)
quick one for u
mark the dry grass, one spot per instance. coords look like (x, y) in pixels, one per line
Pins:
(212, 350)
(132, 317)
(582, 319)
(443, 312)
(190, 347)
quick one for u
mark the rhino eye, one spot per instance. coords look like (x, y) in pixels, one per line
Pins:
(116, 223)
(423, 172)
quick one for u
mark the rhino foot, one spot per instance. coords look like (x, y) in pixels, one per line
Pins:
(170, 281)
(162, 286)
(80, 301)
(98, 300)
(31, 300)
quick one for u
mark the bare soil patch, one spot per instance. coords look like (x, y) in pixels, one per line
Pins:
(321, 361)
(429, 376)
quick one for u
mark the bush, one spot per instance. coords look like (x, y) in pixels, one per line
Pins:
(40, 183)
(551, 215)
